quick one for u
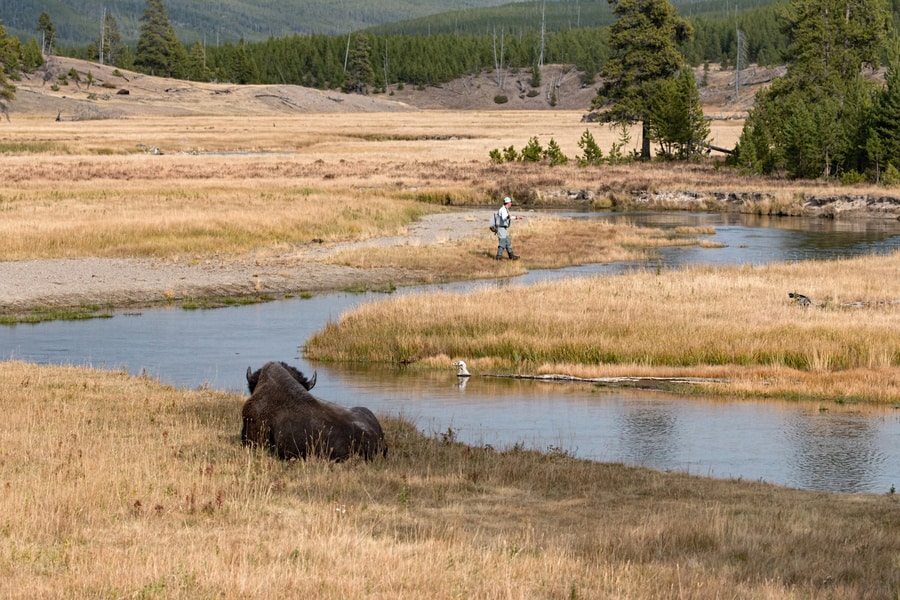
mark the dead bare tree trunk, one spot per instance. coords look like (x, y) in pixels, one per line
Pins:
(498, 60)
(543, 33)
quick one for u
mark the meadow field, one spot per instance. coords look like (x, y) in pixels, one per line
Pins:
(121, 487)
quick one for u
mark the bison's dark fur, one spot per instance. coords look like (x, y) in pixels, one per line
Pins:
(282, 415)
(253, 377)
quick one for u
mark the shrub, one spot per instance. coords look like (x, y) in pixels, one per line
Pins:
(496, 156)
(593, 155)
(532, 152)
(500, 99)
(555, 154)
(891, 177)
(851, 177)
(532, 93)
(510, 154)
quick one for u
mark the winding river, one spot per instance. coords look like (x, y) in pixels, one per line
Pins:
(791, 444)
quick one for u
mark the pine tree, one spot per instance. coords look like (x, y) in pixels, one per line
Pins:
(644, 41)
(32, 59)
(360, 74)
(696, 133)
(48, 33)
(158, 50)
(7, 90)
(195, 68)
(243, 69)
(813, 121)
(887, 114)
(110, 45)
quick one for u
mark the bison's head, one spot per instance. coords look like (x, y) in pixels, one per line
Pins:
(253, 377)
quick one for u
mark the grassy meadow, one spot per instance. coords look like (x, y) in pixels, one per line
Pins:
(736, 323)
(229, 186)
(120, 487)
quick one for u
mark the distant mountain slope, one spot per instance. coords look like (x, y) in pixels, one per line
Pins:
(213, 22)
(78, 21)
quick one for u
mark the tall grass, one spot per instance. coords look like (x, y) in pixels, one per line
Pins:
(543, 242)
(116, 486)
(687, 319)
(229, 185)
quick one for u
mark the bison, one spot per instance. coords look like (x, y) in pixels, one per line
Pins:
(253, 377)
(283, 416)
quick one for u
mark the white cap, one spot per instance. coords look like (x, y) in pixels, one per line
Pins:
(507, 200)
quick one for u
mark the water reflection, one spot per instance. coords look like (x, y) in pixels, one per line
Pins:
(843, 450)
(786, 444)
(648, 435)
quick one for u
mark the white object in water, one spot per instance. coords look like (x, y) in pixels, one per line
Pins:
(463, 371)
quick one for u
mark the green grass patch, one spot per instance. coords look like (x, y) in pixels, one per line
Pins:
(32, 148)
(44, 314)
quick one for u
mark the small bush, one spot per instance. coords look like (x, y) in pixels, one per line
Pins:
(532, 93)
(593, 155)
(532, 152)
(500, 99)
(108, 85)
(510, 154)
(891, 177)
(851, 177)
(496, 156)
(554, 154)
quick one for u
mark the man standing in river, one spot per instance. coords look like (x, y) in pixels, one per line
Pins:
(503, 240)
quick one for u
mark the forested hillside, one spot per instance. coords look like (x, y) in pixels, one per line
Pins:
(77, 22)
(215, 21)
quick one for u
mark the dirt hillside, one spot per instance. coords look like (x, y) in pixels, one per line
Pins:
(103, 92)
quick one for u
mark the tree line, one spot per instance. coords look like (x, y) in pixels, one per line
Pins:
(823, 119)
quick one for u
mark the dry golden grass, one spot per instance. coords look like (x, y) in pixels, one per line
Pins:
(115, 486)
(543, 242)
(738, 319)
(227, 185)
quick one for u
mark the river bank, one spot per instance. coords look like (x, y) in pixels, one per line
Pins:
(94, 286)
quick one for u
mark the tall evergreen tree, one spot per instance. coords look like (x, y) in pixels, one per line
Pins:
(360, 74)
(196, 69)
(110, 46)
(7, 89)
(159, 52)
(644, 44)
(812, 121)
(31, 56)
(243, 69)
(885, 129)
(677, 122)
(48, 33)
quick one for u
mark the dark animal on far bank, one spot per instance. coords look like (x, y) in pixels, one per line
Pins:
(284, 417)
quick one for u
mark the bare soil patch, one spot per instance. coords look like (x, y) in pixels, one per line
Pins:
(117, 93)
(120, 282)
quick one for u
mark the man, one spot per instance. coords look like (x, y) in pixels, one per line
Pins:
(503, 221)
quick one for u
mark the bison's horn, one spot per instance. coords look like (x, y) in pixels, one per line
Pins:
(312, 381)
(249, 372)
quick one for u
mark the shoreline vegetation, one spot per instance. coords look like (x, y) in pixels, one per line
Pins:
(120, 486)
(736, 327)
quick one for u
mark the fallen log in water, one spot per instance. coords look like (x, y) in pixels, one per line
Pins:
(650, 383)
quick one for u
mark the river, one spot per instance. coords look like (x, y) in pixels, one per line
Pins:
(791, 444)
